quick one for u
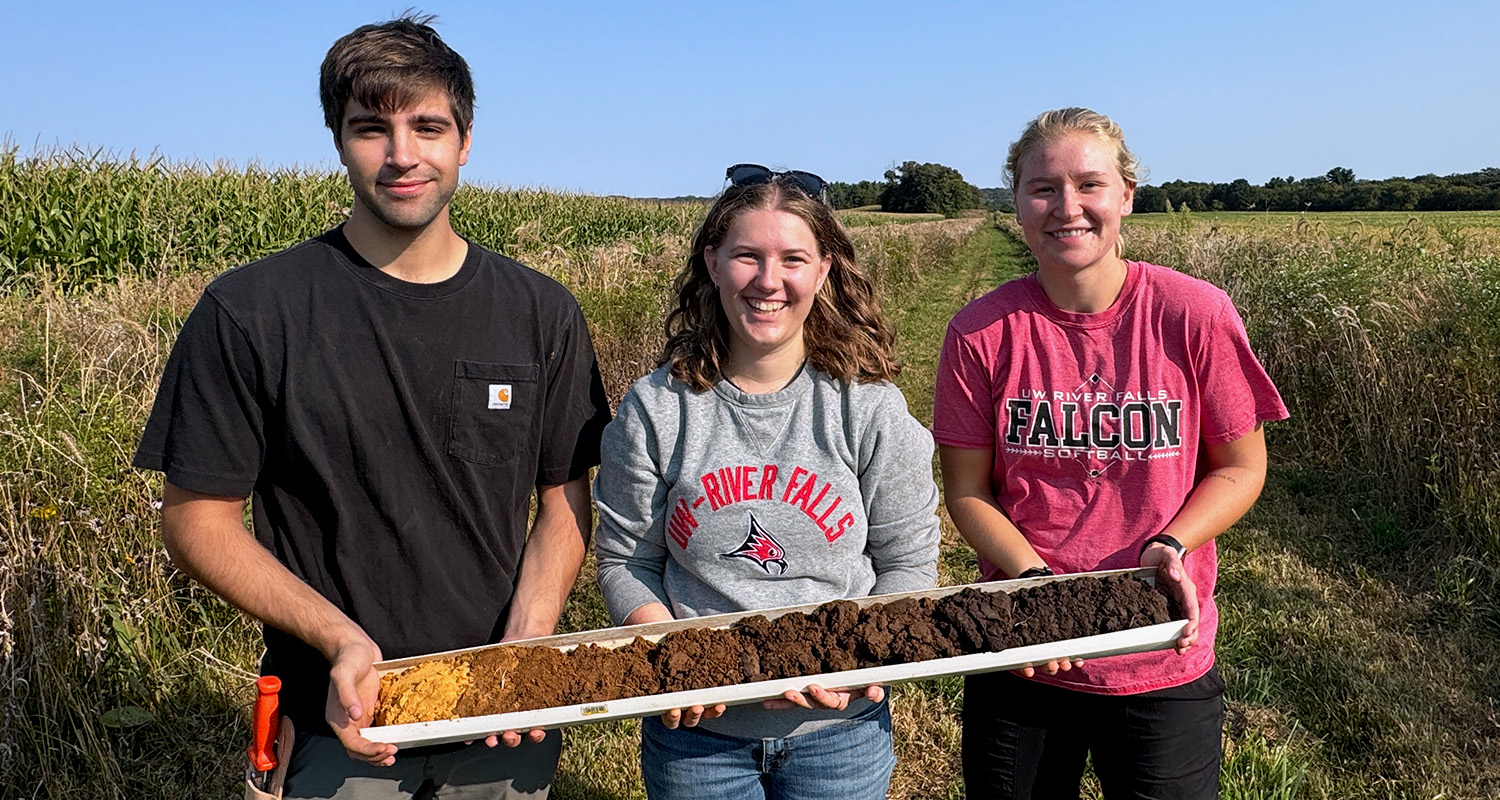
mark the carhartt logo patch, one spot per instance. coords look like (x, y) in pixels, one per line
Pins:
(499, 395)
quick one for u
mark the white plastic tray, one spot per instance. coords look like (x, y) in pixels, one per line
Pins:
(1136, 640)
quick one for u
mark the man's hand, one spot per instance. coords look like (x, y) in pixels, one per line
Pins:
(1172, 575)
(549, 565)
(353, 691)
(514, 738)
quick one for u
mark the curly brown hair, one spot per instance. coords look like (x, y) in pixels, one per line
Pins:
(845, 334)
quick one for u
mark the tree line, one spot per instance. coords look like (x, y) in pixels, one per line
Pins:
(1336, 190)
(934, 188)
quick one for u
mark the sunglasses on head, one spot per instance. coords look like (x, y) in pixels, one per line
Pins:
(755, 174)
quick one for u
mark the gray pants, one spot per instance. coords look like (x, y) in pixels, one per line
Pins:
(321, 768)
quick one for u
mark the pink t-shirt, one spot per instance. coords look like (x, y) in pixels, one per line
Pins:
(1096, 421)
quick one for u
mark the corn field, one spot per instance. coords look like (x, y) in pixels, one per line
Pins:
(79, 219)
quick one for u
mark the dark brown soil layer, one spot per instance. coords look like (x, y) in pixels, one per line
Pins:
(834, 637)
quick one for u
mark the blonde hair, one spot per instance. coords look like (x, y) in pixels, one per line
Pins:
(845, 333)
(1053, 125)
(1049, 126)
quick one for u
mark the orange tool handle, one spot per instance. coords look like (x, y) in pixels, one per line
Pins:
(265, 723)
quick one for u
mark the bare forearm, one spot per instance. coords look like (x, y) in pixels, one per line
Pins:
(1217, 502)
(206, 539)
(550, 563)
(992, 535)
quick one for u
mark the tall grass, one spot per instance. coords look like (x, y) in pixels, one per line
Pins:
(120, 678)
(1384, 341)
(1360, 634)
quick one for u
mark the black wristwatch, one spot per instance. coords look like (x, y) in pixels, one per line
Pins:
(1169, 541)
(1036, 572)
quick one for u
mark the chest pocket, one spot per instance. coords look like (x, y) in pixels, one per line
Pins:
(496, 412)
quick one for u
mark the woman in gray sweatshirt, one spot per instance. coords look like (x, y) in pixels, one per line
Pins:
(768, 461)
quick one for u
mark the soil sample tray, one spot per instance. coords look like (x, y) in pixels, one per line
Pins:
(923, 629)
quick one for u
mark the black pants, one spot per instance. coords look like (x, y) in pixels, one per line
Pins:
(1025, 740)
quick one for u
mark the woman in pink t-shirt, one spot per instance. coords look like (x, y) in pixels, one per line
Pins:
(1098, 414)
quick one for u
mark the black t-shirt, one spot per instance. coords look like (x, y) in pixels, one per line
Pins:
(390, 435)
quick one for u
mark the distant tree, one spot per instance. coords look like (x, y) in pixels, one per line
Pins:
(1238, 195)
(1337, 190)
(854, 195)
(999, 199)
(1151, 200)
(1340, 175)
(914, 188)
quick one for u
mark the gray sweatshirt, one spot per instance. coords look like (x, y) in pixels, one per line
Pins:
(720, 501)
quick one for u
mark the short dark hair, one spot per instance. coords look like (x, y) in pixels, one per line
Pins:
(390, 65)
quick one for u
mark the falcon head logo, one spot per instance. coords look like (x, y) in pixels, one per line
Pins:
(762, 548)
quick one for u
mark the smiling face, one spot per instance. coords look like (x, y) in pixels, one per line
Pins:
(403, 164)
(768, 269)
(1070, 198)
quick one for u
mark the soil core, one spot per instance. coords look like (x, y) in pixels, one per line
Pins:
(834, 637)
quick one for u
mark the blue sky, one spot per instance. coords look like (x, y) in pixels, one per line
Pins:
(656, 99)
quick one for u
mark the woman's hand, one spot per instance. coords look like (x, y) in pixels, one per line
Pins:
(1050, 668)
(816, 696)
(686, 717)
(1172, 575)
(691, 716)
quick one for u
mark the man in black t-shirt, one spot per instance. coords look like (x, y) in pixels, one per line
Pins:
(390, 396)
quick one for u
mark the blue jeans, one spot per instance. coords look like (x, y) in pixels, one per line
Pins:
(851, 760)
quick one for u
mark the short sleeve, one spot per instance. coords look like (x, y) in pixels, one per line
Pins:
(963, 414)
(577, 409)
(206, 429)
(1237, 394)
